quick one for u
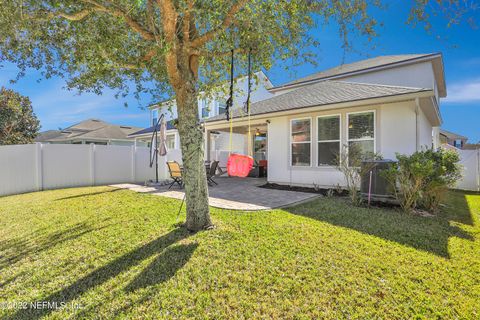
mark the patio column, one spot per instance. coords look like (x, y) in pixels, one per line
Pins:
(208, 145)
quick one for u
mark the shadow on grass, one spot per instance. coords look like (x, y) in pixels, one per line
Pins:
(14, 250)
(167, 263)
(429, 234)
(82, 195)
(457, 208)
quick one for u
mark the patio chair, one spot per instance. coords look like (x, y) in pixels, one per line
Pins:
(175, 173)
(212, 172)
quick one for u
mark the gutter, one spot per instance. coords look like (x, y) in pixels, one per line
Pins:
(337, 105)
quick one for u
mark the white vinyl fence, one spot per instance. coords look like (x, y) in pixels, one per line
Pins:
(470, 161)
(34, 167)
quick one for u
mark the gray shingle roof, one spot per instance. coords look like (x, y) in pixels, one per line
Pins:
(357, 66)
(322, 93)
(452, 135)
(170, 126)
(89, 129)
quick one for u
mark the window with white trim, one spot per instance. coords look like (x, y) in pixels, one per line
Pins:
(170, 141)
(205, 109)
(361, 132)
(222, 107)
(328, 140)
(300, 140)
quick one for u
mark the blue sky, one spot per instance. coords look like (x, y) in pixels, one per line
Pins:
(460, 45)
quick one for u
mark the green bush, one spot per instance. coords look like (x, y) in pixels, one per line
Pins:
(349, 162)
(421, 180)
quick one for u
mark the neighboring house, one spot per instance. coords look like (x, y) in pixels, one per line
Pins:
(385, 105)
(472, 146)
(453, 139)
(90, 131)
(210, 106)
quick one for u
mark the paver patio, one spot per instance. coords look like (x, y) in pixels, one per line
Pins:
(233, 193)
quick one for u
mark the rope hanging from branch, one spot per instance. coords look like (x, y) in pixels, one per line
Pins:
(228, 109)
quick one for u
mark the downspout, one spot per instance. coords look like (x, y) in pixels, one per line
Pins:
(417, 129)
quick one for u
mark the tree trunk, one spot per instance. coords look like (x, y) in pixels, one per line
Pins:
(192, 143)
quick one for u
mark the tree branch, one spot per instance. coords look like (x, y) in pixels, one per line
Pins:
(80, 15)
(169, 23)
(118, 12)
(187, 19)
(227, 21)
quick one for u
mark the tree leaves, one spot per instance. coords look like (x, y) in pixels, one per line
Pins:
(18, 123)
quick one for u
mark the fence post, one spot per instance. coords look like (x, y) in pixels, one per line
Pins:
(478, 169)
(134, 153)
(92, 164)
(38, 166)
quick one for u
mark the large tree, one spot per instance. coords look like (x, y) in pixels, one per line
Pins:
(18, 123)
(179, 46)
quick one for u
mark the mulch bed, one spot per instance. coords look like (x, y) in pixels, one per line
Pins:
(330, 192)
(324, 192)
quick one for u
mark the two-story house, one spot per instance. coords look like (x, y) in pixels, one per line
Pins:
(210, 105)
(384, 105)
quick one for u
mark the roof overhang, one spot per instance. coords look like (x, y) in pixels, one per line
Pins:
(427, 94)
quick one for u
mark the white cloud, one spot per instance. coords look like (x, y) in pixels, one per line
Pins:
(464, 92)
(58, 107)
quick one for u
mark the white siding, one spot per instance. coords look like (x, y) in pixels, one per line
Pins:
(397, 129)
(419, 75)
(425, 131)
(259, 92)
(395, 132)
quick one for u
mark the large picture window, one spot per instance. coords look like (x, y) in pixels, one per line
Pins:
(361, 133)
(328, 128)
(301, 142)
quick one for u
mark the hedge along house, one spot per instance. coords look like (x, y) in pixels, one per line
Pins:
(385, 105)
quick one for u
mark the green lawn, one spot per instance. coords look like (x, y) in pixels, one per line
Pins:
(119, 254)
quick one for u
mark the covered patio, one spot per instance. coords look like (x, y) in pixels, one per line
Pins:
(234, 194)
(221, 141)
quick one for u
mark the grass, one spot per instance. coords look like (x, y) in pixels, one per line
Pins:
(109, 253)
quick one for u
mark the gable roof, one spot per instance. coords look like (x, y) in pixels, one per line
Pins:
(91, 129)
(452, 135)
(369, 65)
(320, 94)
(170, 126)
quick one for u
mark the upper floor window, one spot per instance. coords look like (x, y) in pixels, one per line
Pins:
(170, 141)
(300, 140)
(154, 117)
(222, 107)
(361, 132)
(328, 139)
(205, 109)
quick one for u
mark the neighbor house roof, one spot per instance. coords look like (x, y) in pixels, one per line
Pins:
(320, 94)
(371, 65)
(91, 129)
(170, 126)
(452, 136)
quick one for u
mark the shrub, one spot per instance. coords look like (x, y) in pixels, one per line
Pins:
(421, 180)
(349, 162)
